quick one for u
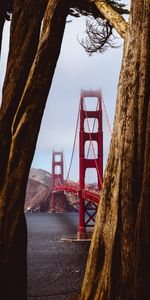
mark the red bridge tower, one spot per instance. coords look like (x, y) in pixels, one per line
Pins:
(88, 209)
(57, 177)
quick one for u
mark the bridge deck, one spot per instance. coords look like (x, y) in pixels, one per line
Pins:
(86, 194)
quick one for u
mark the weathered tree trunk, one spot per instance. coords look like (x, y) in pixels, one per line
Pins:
(115, 19)
(118, 266)
(23, 110)
(23, 46)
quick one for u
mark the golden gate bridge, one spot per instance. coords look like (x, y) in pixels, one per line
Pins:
(88, 198)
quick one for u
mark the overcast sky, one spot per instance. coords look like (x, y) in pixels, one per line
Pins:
(75, 71)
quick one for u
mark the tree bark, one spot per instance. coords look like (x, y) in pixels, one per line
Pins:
(24, 114)
(122, 225)
(112, 16)
(24, 40)
(118, 265)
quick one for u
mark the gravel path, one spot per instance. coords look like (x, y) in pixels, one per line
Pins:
(55, 267)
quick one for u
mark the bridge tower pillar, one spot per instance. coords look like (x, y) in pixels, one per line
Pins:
(57, 177)
(88, 210)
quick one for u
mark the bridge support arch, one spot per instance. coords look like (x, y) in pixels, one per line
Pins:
(87, 210)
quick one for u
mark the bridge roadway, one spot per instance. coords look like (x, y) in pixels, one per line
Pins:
(85, 193)
(55, 267)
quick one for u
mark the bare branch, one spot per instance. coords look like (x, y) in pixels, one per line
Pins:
(99, 36)
(112, 16)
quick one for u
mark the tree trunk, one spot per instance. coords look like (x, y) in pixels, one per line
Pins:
(23, 111)
(24, 40)
(118, 266)
(112, 16)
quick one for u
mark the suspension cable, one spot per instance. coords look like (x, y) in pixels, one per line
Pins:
(107, 117)
(75, 137)
(65, 166)
(58, 178)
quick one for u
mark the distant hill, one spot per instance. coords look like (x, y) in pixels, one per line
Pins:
(38, 194)
(41, 176)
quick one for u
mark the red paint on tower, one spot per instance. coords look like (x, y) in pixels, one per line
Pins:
(85, 206)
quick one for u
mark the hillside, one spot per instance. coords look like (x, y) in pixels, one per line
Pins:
(38, 195)
(41, 176)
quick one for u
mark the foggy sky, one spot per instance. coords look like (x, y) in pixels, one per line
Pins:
(75, 71)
